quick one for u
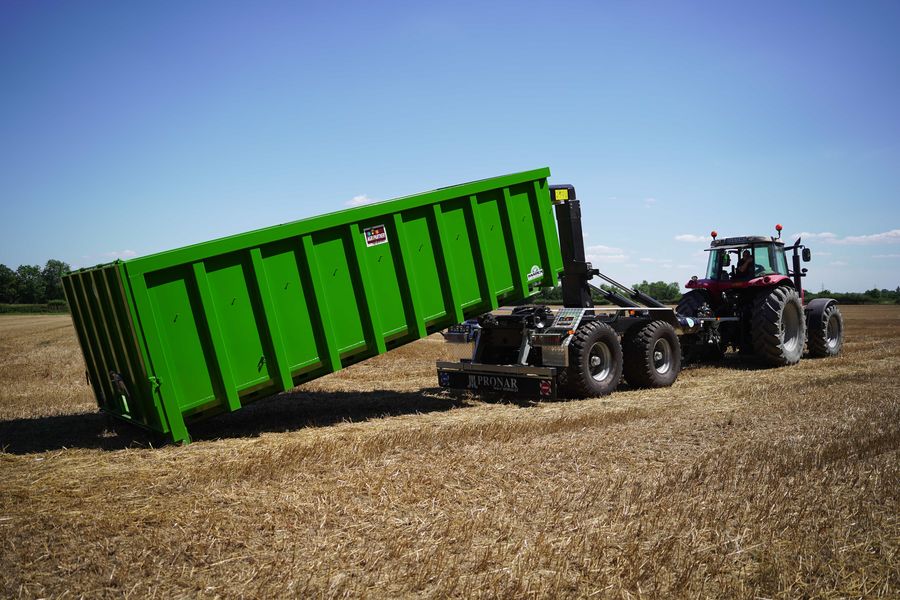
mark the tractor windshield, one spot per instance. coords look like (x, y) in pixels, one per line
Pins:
(768, 259)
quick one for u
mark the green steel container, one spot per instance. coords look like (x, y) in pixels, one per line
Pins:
(176, 336)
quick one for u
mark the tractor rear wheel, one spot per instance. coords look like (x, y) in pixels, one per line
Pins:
(826, 332)
(652, 355)
(778, 324)
(595, 362)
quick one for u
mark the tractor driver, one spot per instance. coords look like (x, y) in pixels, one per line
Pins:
(745, 268)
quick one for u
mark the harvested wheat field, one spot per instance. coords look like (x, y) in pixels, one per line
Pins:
(735, 482)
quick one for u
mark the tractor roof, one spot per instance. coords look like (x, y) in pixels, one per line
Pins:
(744, 241)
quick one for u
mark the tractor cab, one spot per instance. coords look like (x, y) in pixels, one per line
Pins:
(728, 267)
(765, 253)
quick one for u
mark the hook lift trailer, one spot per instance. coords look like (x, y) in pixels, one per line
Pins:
(583, 351)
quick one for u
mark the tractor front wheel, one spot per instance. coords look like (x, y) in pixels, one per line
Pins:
(694, 304)
(595, 362)
(778, 326)
(826, 332)
(652, 355)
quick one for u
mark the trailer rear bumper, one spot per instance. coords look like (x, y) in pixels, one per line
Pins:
(538, 382)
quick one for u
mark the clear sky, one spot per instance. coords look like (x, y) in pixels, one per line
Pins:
(128, 128)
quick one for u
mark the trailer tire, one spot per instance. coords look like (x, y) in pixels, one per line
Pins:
(595, 362)
(826, 332)
(778, 331)
(652, 355)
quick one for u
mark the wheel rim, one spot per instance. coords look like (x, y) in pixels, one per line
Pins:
(833, 331)
(791, 327)
(600, 361)
(662, 356)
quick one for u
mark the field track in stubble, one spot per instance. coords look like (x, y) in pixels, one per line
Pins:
(735, 482)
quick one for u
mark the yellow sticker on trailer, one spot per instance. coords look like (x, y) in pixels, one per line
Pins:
(561, 194)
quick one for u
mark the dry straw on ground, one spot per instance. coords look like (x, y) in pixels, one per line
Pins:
(736, 482)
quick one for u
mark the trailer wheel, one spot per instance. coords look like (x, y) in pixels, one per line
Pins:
(778, 324)
(595, 362)
(652, 355)
(826, 332)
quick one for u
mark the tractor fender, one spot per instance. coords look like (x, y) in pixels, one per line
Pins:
(816, 308)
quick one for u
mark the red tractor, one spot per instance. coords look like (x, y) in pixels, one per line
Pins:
(757, 304)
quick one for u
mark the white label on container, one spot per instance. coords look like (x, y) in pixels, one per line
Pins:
(375, 235)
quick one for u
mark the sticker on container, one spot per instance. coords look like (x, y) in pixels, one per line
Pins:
(535, 273)
(375, 235)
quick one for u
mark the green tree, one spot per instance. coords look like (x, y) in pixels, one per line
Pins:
(52, 276)
(7, 285)
(30, 285)
(662, 291)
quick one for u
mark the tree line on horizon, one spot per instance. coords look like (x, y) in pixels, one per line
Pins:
(31, 284)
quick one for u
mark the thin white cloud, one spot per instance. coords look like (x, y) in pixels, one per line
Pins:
(658, 261)
(648, 202)
(690, 237)
(825, 235)
(607, 259)
(838, 263)
(886, 237)
(360, 200)
(601, 249)
(883, 255)
(115, 255)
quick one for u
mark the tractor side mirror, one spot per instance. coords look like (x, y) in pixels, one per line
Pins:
(807, 255)
(726, 260)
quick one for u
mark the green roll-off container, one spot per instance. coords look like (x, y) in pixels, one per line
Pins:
(180, 335)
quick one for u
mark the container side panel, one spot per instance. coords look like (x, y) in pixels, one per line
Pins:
(415, 320)
(379, 258)
(482, 263)
(238, 318)
(339, 293)
(523, 220)
(191, 365)
(424, 265)
(460, 246)
(290, 304)
(494, 242)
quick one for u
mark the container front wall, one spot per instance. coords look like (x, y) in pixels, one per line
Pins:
(114, 358)
(238, 321)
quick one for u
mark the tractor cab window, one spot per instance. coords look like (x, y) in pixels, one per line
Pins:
(718, 264)
(762, 261)
(780, 261)
(769, 260)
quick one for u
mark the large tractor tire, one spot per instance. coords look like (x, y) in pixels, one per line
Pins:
(652, 355)
(694, 304)
(778, 326)
(826, 330)
(595, 362)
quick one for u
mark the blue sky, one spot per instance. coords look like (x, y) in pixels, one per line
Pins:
(131, 128)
